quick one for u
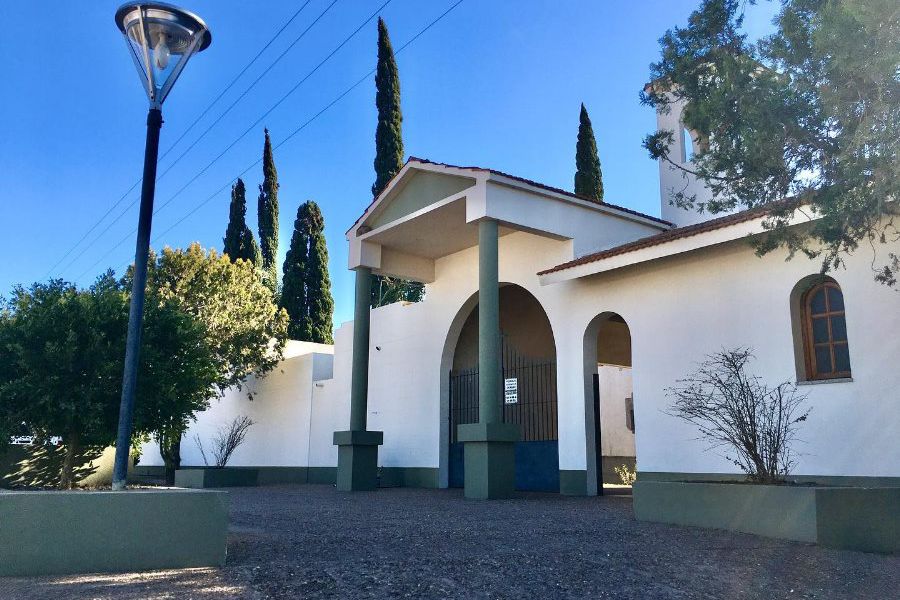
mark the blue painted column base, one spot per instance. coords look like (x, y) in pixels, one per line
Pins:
(490, 459)
(357, 459)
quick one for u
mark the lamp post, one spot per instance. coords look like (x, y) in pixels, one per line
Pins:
(161, 39)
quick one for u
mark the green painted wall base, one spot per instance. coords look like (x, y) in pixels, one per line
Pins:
(415, 477)
(357, 459)
(490, 460)
(573, 483)
(213, 477)
(56, 533)
(852, 518)
(826, 480)
(321, 475)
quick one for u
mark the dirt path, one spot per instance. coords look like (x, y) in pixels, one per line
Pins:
(314, 542)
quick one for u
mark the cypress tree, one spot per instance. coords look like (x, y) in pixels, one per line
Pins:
(267, 215)
(389, 158)
(306, 286)
(588, 177)
(238, 240)
(389, 133)
(318, 283)
(293, 288)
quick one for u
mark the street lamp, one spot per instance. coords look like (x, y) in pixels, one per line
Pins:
(161, 39)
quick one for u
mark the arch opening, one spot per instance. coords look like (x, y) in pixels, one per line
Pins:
(609, 403)
(529, 397)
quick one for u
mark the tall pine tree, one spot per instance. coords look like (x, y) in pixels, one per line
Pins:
(293, 282)
(318, 283)
(267, 215)
(306, 286)
(238, 240)
(389, 133)
(389, 158)
(588, 178)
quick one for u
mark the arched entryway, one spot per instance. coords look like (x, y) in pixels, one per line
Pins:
(529, 395)
(609, 401)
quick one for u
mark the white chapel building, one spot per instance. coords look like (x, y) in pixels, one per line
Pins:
(589, 312)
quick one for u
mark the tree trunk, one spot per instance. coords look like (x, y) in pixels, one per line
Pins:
(67, 476)
(170, 450)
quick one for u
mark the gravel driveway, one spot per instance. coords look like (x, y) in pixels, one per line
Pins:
(312, 541)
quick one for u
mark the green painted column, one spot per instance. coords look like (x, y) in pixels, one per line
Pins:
(489, 453)
(357, 448)
(359, 379)
(489, 361)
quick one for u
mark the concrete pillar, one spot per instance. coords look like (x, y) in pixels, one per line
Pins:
(490, 367)
(358, 448)
(489, 444)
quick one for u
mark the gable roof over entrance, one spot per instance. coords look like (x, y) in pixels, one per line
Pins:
(430, 210)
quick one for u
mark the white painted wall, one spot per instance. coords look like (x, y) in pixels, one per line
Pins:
(281, 409)
(678, 310)
(681, 309)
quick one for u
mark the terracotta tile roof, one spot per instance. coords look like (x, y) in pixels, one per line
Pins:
(519, 179)
(668, 236)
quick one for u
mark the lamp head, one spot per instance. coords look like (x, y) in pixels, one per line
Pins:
(161, 39)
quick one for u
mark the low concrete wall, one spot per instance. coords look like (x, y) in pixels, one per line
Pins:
(866, 519)
(214, 477)
(54, 533)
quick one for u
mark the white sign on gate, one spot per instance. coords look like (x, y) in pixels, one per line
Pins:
(511, 391)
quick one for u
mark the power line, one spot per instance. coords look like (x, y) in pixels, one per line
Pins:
(306, 123)
(244, 133)
(184, 133)
(286, 139)
(208, 129)
(246, 67)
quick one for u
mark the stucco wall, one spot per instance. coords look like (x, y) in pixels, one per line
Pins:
(281, 411)
(678, 310)
(681, 309)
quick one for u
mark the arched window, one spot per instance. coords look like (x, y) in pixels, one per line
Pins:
(687, 145)
(825, 332)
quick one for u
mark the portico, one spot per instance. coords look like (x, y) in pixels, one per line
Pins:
(430, 211)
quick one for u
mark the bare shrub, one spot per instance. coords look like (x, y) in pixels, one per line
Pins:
(738, 411)
(226, 441)
(626, 475)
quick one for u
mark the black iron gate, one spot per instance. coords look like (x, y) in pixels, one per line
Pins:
(534, 409)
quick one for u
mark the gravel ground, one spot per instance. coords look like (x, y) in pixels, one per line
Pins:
(315, 542)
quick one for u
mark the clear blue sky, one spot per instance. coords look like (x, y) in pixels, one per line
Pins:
(495, 84)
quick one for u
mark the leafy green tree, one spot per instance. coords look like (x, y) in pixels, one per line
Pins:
(293, 289)
(805, 121)
(389, 158)
(178, 370)
(588, 177)
(318, 282)
(243, 330)
(238, 241)
(63, 351)
(267, 215)
(306, 289)
(387, 290)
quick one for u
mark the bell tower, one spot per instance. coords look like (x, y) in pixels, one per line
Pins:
(672, 179)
